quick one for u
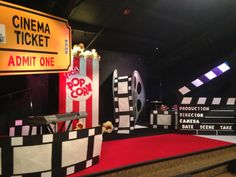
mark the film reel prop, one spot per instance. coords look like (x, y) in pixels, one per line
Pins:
(129, 99)
(138, 94)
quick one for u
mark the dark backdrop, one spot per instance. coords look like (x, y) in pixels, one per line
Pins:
(21, 96)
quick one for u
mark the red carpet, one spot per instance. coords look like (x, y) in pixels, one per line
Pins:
(120, 153)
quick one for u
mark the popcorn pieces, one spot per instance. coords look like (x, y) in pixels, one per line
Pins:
(79, 126)
(107, 127)
(79, 50)
(164, 108)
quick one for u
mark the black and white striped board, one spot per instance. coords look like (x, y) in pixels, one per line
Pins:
(205, 78)
(129, 100)
(207, 116)
(19, 128)
(50, 155)
(163, 120)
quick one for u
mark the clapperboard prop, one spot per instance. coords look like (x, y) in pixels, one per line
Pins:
(163, 120)
(50, 155)
(129, 100)
(207, 116)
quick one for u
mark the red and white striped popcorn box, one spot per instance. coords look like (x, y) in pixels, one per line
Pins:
(79, 88)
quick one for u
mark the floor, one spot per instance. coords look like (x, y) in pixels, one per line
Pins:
(230, 139)
(131, 151)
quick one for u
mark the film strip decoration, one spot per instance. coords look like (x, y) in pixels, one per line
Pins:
(19, 128)
(163, 120)
(207, 116)
(123, 103)
(129, 100)
(50, 155)
(203, 79)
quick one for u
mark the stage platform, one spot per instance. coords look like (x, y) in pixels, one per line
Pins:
(121, 154)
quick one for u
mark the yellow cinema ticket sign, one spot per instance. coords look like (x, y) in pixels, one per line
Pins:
(32, 42)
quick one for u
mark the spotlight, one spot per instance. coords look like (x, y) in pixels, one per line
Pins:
(126, 12)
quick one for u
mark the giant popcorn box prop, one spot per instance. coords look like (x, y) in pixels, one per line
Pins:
(207, 116)
(129, 100)
(79, 87)
(50, 155)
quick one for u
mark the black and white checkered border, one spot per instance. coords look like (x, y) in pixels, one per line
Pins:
(190, 86)
(119, 114)
(203, 79)
(208, 101)
(9, 144)
(19, 128)
(154, 117)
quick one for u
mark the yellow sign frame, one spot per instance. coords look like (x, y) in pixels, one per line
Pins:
(33, 42)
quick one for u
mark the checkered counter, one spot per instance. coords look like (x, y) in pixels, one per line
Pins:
(164, 120)
(19, 128)
(50, 155)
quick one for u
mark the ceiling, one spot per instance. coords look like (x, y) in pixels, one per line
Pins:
(167, 31)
